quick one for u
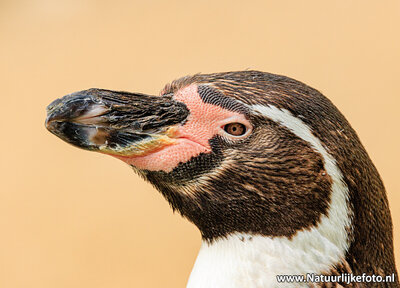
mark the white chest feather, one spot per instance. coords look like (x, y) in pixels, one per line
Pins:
(241, 260)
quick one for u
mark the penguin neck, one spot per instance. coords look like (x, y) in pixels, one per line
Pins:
(244, 260)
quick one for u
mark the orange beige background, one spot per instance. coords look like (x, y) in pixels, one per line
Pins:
(70, 218)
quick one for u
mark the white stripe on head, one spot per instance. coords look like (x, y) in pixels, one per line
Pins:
(231, 262)
(334, 225)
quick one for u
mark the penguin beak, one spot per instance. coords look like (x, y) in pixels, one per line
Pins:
(116, 123)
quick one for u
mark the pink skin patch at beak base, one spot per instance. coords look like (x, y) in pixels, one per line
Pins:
(192, 138)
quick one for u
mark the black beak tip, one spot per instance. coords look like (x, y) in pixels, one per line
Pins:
(54, 113)
(70, 106)
(53, 104)
(49, 123)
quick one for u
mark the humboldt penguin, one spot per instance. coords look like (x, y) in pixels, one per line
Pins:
(266, 167)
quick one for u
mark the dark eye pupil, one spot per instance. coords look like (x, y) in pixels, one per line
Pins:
(235, 129)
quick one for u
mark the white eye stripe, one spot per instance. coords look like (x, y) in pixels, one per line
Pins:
(335, 224)
(317, 248)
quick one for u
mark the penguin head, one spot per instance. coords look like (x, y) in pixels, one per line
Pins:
(245, 151)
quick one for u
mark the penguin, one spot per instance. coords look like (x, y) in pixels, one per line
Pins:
(266, 167)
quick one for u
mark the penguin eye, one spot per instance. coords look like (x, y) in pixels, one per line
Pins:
(235, 129)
